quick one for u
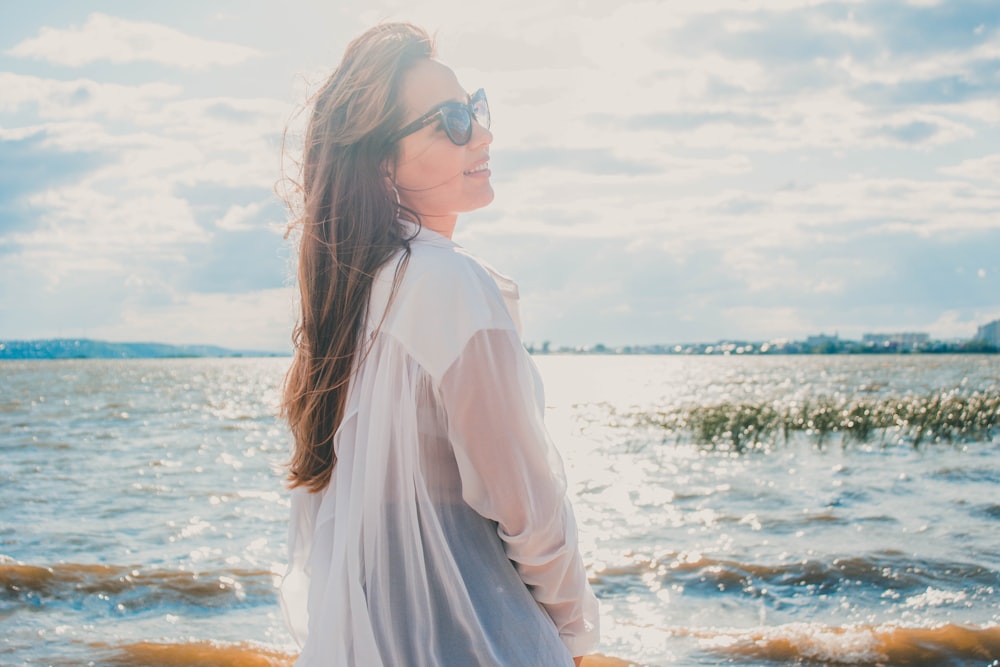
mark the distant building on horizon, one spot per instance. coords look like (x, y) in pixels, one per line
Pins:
(904, 340)
(822, 339)
(990, 333)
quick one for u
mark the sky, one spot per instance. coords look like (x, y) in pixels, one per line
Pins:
(665, 171)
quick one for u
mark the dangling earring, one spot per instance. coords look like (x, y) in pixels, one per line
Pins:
(395, 192)
(391, 184)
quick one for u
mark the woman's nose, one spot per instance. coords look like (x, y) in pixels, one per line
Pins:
(480, 135)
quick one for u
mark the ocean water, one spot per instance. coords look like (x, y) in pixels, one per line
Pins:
(143, 518)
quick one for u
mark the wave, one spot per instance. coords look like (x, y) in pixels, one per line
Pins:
(193, 654)
(131, 588)
(246, 654)
(798, 643)
(991, 511)
(854, 645)
(879, 572)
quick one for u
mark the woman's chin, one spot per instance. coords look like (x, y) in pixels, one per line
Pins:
(484, 198)
(477, 200)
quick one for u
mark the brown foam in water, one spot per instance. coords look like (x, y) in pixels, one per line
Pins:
(110, 579)
(197, 654)
(211, 654)
(918, 646)
(605, 661)
(856, 645)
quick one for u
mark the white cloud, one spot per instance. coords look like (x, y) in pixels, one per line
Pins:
(760, 322)
(953, 324)
(237, 217)
(986, 168)
(148, 144)
(119, 40)
(81, 98)
(259, 320)
(656, 206)
(83, 227)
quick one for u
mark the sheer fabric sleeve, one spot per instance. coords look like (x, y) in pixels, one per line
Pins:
(293, 592)
(512, 474)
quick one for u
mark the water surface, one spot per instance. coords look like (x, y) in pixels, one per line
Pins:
(142, 519)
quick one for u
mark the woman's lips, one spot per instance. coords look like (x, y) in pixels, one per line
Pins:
(481, 169)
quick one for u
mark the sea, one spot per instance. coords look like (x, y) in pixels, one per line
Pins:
(739, 510)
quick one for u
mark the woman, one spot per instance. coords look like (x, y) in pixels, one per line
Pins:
(430, 524)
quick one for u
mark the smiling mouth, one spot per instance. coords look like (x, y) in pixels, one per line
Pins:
(483, 167)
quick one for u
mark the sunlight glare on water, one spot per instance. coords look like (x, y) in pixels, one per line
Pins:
(142, 504)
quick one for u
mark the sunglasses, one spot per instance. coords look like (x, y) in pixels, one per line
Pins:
(456, 119)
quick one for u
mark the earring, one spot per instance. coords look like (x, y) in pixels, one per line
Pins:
(395, 193)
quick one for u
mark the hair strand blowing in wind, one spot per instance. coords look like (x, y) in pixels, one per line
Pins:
(348, 229)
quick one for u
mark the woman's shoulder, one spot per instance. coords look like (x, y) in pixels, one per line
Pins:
(435, 299)
(433, 270)
(437, 269)
(450, 282)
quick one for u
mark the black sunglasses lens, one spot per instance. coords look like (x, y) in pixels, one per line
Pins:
(481, 108)
(457, 124)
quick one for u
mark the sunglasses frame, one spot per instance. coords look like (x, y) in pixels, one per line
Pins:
(439, 111)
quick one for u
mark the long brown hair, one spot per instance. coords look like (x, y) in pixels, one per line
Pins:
(348, 230)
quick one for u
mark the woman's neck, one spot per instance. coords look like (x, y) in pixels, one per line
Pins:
(442, 224)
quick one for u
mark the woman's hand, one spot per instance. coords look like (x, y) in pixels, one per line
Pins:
(578, 661)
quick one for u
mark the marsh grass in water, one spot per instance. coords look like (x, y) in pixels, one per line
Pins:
(944, 417)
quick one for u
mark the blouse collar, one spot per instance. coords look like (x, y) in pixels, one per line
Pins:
(508, 288)
(422, 234)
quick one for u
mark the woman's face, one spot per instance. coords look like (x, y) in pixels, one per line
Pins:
(433, 176)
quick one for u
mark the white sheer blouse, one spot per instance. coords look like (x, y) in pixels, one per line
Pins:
(445, 538)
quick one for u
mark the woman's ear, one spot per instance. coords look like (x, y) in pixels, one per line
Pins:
(387, 171)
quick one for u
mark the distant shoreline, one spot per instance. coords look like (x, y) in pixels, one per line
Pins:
(84, 348)
(831, 346)
(775, 353)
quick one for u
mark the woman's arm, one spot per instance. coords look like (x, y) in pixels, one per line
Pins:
(512, 474)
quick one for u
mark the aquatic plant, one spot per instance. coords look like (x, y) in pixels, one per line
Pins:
(942, 417)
